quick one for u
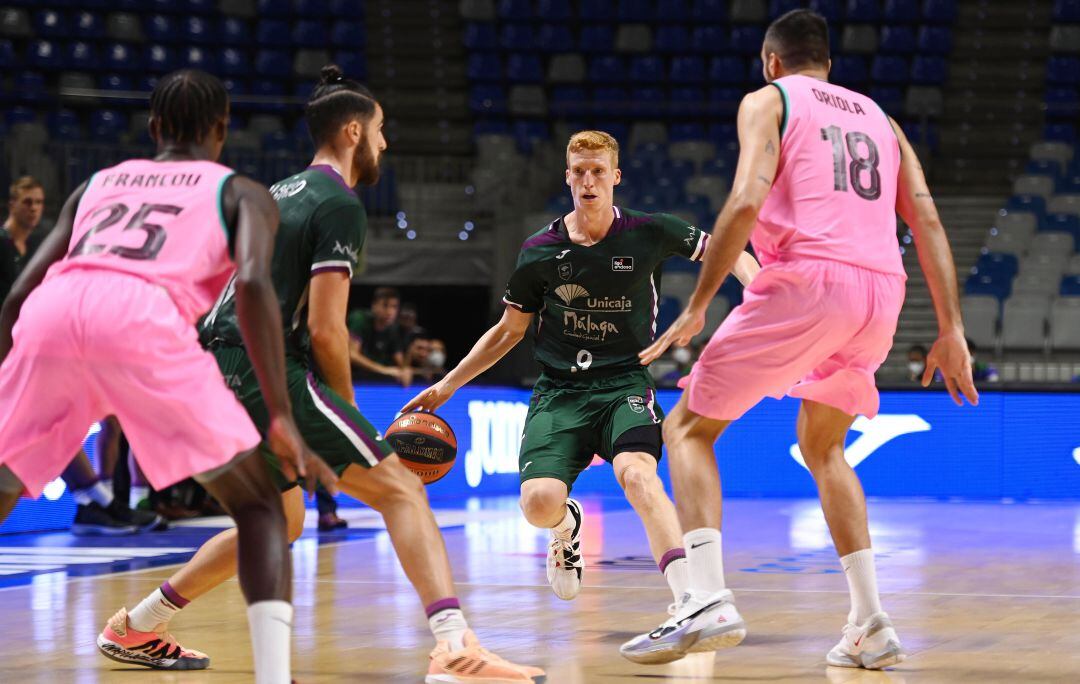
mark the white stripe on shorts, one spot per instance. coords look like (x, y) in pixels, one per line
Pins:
(355, 439)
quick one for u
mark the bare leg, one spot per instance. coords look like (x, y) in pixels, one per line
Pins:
(690, 439)
(80, 474)
(543, 501)
(636, 474)
(10, 490)
(399, 496)
(108, 446)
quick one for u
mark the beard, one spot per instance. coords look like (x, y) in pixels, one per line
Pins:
(366, 165)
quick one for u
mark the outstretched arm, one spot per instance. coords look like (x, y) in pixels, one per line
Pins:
(916, 206)
(759, 153)
(52, 250)
(496, 342)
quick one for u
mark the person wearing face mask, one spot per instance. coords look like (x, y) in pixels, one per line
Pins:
(916, 362)
(980, 370)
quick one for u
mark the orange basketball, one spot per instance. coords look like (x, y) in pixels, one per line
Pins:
(425, 443)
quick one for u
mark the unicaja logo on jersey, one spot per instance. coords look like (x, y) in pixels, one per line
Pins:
(568, 293)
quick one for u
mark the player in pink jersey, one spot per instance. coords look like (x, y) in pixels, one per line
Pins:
(101, 322)
(822, 172)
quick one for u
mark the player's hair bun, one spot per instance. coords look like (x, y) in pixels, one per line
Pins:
(330, 74)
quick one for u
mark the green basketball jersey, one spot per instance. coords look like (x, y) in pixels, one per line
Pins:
(597, 305)
(322, 229)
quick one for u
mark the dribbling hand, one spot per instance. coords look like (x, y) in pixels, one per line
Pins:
(951, 356)
(430, 399)
(687, 326)
(297, 459)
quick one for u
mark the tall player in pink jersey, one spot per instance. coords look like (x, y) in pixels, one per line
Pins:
(822, 172)
(102, 322)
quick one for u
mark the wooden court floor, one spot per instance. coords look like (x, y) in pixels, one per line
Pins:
(979, 593)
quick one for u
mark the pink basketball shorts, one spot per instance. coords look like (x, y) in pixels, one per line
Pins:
(92, 343)
(812, 329)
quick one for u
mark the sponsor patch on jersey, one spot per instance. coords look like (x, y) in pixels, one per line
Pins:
(622, 263)
(566, 271)
(280, 191)
(637, 404)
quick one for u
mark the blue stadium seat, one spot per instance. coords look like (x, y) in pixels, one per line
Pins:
(274, 8)
(526, 133)
(87, 26)
(310, 34)
(997, 265)
(1067, 10)
(1029, 203)
(160, 28)
(517, 37)
(647, 102)
(889, 98)
(669, 38)
(724, 101)
(929, 70)
(687, 70)
(51, 23)
(271, 89)
(866, 11)
(1070, 286)
(315, 9)
(44, 54)
(515, 10)
(480, 36)
(754, 75)
(706, 39)
(233, 31)
(202, 7)
(116, 82)
(1069, 184)
(273, 63)
(850, 70)
(273, 32)
(159, 59)
(919, 134)
(888, 69)
(595, 10)
(345, 34)
(199, 30)
(1062, 70)
(635, 11)
(565, 101)
(686, 102)
(195, 57)
(343, 8)
(727, 70)
(491, 127)
(667, 311)
(897, 40)
(107, 125)
(484, 66)
(487, 99)
(7, 55)
(988, 285)
(709, 11)
(647, 70)
(29, 87)
(939, 11)
(596, 39)
(278, 142)
(1062, 103)
(555, 38)
(747, 40)
(778, 7)
(1062, 223)
(554, 10)
(81, 57)
(120, 57)
(608, 69)
(901, 11)
(607, 100)
(63, 124)
(353, 64)
(524, 68)
(1043, 167)
(935, 40)
(830, 9)
(682, 132)
(235, 62)
(720, 134)
(675, 11)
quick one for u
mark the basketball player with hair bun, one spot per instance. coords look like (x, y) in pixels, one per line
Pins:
(323, 226)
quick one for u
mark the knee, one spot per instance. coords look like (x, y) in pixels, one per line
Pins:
(542, 505)
(640, 483)
(821, 454)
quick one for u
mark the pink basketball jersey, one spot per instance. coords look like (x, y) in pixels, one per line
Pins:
(834, 196)
(160, 221)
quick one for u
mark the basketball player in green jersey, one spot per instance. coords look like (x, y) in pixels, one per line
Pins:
(593, 276)
(322, 230)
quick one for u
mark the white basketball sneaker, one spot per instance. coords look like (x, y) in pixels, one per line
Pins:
(697, 625)
(564, 561)
(872, 645)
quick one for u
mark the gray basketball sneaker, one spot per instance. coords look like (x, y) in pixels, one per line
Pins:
(697, 626)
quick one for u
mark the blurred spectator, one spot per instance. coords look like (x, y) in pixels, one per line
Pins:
(981, 371)
(19, 236)
(377, 348)
(327, 507)
(407, 323)
(427, 358)
(916, 362)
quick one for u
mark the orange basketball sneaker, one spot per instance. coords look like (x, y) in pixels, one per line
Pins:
(158, 650)
(474, 664)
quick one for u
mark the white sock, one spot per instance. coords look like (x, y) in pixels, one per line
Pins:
(677, 574)
(706, 560)
(862, 585)
(271, 633)
(156, 609)
(450, 626)
(138, 493)
(96, 492)
(565, 528)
